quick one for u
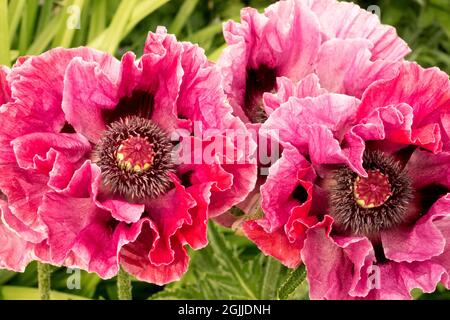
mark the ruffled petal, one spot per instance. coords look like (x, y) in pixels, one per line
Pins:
(134, 260)
(34, 146)
(317, 126)
(345, 66)
(427, 91)
(282, 230)
(345, 20)
(43, 75)
(5, 90)
(266, 40)
(426, 169)
(15, 252)
(275, 244)
(89, 90)
(286, 88)
(169, 213)
(420, 242)
(337, 268)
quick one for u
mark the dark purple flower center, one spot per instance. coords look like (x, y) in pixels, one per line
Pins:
(367, 205)
(135, 157)
(258, 82)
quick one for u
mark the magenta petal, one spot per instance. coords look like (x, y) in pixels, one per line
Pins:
(134, 259)
(169, 213)
(317, 126)
(345, 20)
(201, 97)
(277, 200)
(98, 245)
(266, 39)
(427, 170)
(420, 242)
(44, 76)
(88, 90)
(5, 90)
(124, 211)
(195, 233)
(68, 212)
(286, 88)
(15, 252)
(336, 268)
(345, 66)
(162, 76)
(29, 147)
(24, 191)
(425, 90)
(398, 279)
(275, 244)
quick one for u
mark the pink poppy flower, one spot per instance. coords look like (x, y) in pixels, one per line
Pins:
(89, 166)
(345, 47)
(375, 207)
(298, 48)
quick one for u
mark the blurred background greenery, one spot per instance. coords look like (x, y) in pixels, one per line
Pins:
(230, 267)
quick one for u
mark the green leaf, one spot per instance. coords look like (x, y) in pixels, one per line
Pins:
(5, 276)
(5, 55)
(24, 293)
(182, 16)
(141, 10)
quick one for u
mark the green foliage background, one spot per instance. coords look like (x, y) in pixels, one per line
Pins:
(231, 267)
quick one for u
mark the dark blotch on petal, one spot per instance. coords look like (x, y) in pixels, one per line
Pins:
(429, 195)
(300, 194)
(263, 79)
(141, 104)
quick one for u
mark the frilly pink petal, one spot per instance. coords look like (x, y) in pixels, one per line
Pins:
(133, 258)
(275, 244)
(15, 252)
(345, 20)
(89, 90)
(122, 210)
(397, 280)
(161, 74)
(345, 66)
(425, 90)
(263, 39)
(169, 213)
(276, 193)
(33, 146)
(5, 90)
(68, 211)
(44, 76)
(336, 267)
(24, 191)
(286, 88)
(428, 170)
(420, 242)
(282, 230)
(317, 126)
(194, 234)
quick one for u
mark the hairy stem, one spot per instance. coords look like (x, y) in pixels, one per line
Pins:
(124, 285)
(44, 281)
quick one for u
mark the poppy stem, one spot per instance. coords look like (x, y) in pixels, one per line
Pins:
(124, 285)
(44, 280)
